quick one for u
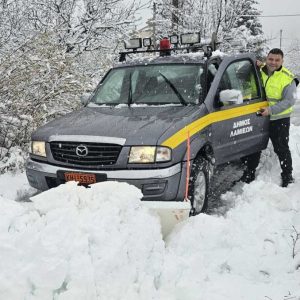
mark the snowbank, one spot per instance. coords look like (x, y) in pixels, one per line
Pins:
(100, 243)
(248, 254)
(77, 243)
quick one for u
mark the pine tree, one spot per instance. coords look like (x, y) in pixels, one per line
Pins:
(249, 17)
(247, 30)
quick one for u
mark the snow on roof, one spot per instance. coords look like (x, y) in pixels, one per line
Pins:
(144, 58)
(218, 53)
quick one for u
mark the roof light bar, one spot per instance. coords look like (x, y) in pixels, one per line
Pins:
(133, 43)
(190, 38)
(147, 42)
(174, 39)
(165, 46)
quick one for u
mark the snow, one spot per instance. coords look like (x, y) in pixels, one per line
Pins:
(218, 53)
(91, 104)
(78, 243)
(102, 243)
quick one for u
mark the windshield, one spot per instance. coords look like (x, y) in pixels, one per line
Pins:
(151, 84)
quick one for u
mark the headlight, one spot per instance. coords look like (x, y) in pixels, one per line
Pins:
(149, 154)
(38, 148)
(163, 154)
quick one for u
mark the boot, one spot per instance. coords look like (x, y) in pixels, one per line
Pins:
(286, 180)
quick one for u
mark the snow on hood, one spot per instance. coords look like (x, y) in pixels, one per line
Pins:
(132, 123)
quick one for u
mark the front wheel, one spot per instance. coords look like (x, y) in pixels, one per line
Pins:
(199, 186)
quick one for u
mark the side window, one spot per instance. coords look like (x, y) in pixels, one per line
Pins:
(238, 84)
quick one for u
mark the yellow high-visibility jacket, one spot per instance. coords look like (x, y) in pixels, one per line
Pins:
(280, 90)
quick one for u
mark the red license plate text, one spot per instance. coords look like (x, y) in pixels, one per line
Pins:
(81, 177)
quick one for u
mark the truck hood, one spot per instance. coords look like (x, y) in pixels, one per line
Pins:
(137, 125)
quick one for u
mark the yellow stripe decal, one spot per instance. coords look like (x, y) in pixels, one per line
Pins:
(194, 127)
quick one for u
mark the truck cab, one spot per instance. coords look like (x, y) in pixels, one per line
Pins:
(159, 122)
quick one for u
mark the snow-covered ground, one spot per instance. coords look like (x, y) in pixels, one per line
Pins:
(72, 243)
(101, 243)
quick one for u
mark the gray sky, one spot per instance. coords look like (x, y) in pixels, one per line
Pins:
(290, 25)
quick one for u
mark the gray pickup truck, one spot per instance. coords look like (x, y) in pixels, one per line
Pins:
(161, 123)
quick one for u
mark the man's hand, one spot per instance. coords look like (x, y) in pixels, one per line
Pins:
(265, 111)
(259, 63)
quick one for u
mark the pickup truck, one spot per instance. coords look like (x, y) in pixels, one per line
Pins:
(159, 122)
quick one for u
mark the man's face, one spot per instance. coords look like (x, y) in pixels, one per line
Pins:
(274, 62)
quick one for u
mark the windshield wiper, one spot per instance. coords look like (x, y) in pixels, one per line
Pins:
(179, 96)
(130, 90)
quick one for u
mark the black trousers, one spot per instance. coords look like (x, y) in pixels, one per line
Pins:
(279, 136)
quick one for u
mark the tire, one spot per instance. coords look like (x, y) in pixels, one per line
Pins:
(199, 186)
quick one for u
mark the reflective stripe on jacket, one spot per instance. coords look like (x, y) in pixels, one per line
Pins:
(274, 87)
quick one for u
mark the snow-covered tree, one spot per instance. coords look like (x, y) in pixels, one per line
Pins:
(245, 28)
(38, 82)
(83, 25)
(80, 25)
(249, 17)
(89, 30)
(51, 51)
(234, 21)
(292, 57)
(14, 28)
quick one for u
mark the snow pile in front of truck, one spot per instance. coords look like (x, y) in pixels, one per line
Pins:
(78, 243)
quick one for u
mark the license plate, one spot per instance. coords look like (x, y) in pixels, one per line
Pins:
(83, 178)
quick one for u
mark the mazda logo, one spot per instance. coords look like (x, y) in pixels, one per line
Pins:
(82, 150)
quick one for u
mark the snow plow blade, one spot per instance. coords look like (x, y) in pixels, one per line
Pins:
(170, 213)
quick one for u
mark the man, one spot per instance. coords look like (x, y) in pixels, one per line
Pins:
(280, 86)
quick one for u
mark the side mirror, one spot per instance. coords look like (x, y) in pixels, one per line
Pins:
(230, 97)
(84, 99)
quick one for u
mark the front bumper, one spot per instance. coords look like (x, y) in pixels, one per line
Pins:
(156, 184)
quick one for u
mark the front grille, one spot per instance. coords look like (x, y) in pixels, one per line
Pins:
(98, 154)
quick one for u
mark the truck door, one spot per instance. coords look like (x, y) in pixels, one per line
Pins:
(236, 128)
